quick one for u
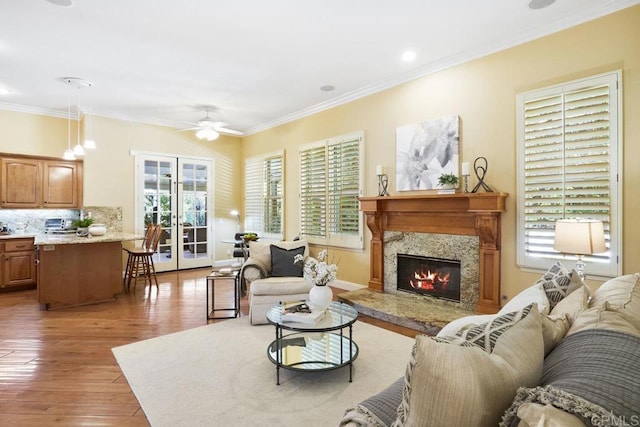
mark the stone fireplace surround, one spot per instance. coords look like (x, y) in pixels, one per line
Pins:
(463, 248)
(459, 214)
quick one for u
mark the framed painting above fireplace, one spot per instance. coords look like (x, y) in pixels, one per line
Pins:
(426, 150)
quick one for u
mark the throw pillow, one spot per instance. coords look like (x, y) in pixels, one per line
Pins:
(606, 317)
(473, 383)
(282, 262)
(574, 303)
(261, 251)
(454, 326)
(556, 283)
(622, 292)
(554, 329)
(535, 293)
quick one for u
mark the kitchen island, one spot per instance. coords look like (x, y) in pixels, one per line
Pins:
(76, 270)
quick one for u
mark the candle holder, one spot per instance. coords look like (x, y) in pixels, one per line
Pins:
(383, 183)
(465, 180)
(481, 166)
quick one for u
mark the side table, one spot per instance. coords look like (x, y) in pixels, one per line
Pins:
(211, 295)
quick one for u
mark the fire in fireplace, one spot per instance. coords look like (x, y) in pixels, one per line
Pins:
(435, 277)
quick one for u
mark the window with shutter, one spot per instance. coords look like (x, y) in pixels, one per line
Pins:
(264, 195)
(330, 184)
(568, 142)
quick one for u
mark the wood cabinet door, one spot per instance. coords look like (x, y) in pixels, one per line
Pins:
(21, 183)
(19, 268)
(61, 185)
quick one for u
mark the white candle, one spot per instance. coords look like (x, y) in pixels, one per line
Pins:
(465, 168)
(379, 170)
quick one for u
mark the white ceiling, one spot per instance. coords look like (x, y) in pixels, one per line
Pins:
(258, 63)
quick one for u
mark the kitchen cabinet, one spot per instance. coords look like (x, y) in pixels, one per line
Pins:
(18, 263)
(61, 185)
(37, 182)
(21, 183)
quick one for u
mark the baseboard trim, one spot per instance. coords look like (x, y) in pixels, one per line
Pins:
(347, 286)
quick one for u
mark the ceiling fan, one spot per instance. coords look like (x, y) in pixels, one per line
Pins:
(210, 129)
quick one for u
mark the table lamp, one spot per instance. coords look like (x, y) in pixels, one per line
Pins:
(579, 237)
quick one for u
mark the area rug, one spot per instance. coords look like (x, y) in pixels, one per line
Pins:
(219, 374)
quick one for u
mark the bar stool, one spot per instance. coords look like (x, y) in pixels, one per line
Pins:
(140, 260)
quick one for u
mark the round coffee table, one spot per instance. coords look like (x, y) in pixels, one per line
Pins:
(319, 346)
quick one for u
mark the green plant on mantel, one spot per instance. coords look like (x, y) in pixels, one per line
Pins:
(448, 178)
(82, 223)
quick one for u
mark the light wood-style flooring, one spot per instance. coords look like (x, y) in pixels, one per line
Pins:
(56, 367)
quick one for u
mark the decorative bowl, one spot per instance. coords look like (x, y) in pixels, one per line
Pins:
(97, 229)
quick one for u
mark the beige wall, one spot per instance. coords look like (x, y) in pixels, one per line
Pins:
(109, 170)
(482, 93)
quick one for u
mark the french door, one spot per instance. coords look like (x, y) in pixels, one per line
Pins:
(175, 192)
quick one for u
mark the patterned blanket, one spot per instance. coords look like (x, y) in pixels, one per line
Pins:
(594, 375)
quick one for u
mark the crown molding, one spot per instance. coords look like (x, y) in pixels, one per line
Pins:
(580, 17)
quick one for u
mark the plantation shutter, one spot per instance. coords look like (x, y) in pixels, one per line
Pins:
(313, 191)
(344, 189)
(253, 195)
(568, 145)
(264, 194)
(273, 195)
(330, 184)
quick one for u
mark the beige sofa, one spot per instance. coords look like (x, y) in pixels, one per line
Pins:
(556, 357)
(270, 276)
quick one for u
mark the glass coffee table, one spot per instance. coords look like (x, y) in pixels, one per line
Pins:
(319, 346)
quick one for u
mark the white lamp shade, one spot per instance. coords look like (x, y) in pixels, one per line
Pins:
(579, 237)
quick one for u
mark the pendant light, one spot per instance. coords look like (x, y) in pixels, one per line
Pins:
(78, 149)
(68, 154)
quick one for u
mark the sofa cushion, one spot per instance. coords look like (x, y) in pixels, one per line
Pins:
(280, 286)
(282, 262)
(261, 251)
(465, 385)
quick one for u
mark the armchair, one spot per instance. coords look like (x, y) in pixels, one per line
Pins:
(271, 276)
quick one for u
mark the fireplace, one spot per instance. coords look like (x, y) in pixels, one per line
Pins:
(474, 215)
(433, 277)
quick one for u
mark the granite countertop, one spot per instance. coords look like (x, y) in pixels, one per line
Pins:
(72, 239)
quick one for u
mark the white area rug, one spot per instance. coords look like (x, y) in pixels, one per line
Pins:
(219, 375)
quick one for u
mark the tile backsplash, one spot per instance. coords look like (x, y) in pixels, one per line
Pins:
(34, 218)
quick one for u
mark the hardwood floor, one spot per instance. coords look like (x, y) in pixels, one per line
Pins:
(56, 367)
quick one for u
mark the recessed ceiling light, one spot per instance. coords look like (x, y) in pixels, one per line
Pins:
(63, 3)
(327, 88)
(540, 4)
(408, 56)
(4, 91)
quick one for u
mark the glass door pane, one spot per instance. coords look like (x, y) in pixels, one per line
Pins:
(195, 210)
(159, 207)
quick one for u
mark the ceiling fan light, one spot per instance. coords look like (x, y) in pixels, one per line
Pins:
(68, 154)
(208, 134)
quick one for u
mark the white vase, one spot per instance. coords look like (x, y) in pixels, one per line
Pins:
(320, 296)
